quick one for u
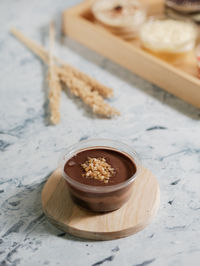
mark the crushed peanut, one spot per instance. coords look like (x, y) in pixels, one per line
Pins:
(98, 169)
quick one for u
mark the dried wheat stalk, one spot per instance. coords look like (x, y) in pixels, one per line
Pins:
(43, 54)
(93, 83)
(38, 49)
(91, 98)
(54, 82)
(80, 84)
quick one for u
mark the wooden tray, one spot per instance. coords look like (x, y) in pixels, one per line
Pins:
(132, 217)
(178, 77)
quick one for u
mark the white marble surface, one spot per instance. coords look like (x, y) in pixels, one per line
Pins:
(164, 130)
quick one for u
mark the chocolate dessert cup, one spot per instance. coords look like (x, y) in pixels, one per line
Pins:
(94, 194)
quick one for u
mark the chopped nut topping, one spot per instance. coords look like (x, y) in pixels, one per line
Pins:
(98, 169)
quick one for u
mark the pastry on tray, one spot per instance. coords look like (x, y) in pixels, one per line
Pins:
(168, 36)
(198, 59)
(186, 6)
(182, 16)
(183, 9)
(122, 17)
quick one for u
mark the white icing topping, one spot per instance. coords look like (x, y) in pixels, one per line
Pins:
(168, 35)
(129, 12)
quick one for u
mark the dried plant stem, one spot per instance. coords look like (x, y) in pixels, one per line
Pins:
(90, 98)
(51, 48)
(80, 84)
(40, 51)
(95, 85)
(54, 82)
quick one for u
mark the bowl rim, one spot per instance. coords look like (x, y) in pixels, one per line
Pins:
(90, 144)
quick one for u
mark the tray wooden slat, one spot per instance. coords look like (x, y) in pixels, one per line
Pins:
(178, 78)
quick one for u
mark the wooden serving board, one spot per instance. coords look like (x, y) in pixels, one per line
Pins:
(178, 77)
(129, 219)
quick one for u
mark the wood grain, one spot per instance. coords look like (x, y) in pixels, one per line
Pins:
(176, 75)
(129, 219)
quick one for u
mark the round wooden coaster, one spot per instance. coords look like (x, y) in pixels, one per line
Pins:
(129, 219)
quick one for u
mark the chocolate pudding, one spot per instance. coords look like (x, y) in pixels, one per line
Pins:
(100, 167)
(123, 166)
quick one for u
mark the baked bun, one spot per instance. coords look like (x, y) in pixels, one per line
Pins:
(171, 13)
(186, 6)
(122, 17)
(198, 59)
(168, 36)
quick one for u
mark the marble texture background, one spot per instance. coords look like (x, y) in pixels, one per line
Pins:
(164, 130)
